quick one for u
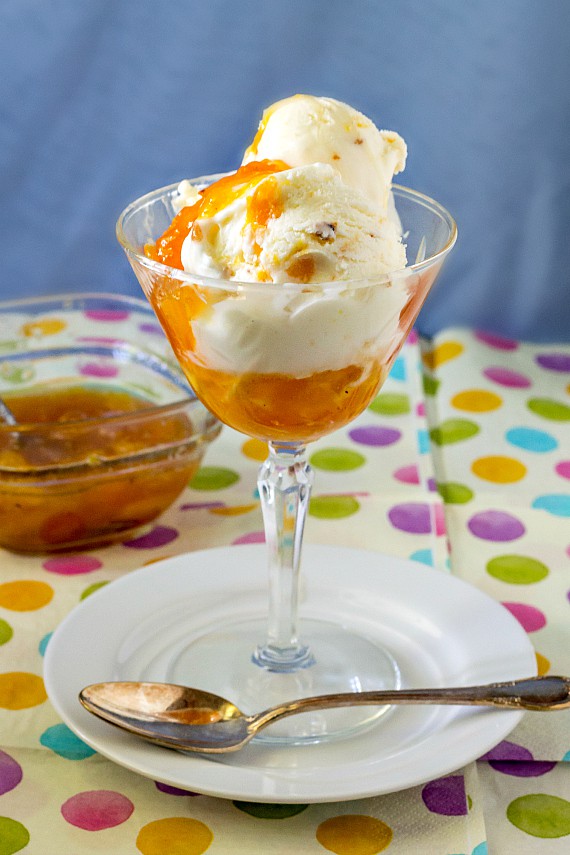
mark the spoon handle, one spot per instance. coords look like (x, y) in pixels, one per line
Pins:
(533, 693)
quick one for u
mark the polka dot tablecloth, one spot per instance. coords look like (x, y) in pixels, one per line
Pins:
(468, 471)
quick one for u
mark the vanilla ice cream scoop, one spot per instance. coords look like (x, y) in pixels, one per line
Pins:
(297, 225)
(306, 129)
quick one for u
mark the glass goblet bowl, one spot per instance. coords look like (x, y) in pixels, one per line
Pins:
(286, 364)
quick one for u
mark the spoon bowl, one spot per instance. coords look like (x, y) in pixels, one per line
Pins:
(192, 720)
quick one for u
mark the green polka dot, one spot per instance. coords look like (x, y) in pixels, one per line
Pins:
(91, 589)
(213, 478)
(333, 507)
(268, 811)
(6, 631)
(13, 836)
(453, 430)
(337, 459)
(547, 408)
(540, 815)
(453, 493)
(8, 346)
(390, 404)
(430, 384)
(517, 569)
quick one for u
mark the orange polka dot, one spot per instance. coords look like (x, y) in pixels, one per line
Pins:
(354, 834)
(25, 595)
(47, 326)
(20, 690)
(234, 511)
(175, 835)
(542, 664)
(476, 401)
(255, 449)
(442, 353)
(498, 470)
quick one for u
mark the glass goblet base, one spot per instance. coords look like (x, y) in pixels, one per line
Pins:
(223, 661)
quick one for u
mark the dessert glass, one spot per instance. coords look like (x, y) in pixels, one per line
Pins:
(288, 364)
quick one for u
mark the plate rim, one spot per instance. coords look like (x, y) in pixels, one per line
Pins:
(140, 757)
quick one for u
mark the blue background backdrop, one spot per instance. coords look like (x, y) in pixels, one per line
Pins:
(103, 100)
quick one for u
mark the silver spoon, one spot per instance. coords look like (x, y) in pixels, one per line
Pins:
(192, 720)
(6, 414)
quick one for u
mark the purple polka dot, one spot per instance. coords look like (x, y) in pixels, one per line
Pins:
(100, 339)
(94, 369)
(107, 315)
(10, 773)
(563, 469)
(530, 618)
(506, 377)
(153, 329)
(159, 536)
(407, 474)
(375, 435)
(554, 361)
(416, 518)
(173, 791)
(251, 537)
(496, 341)
(446, 796)
(508, 758)
(496, 526)
(72, 565)
(94, 810)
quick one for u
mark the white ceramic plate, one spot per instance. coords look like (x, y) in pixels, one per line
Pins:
(441, 630)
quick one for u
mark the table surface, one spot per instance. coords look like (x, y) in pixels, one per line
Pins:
(485, 419)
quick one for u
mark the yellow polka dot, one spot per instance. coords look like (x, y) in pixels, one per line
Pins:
(20, 690)
(476, 401)
(25, 596)
(255, 449)
(233, 511)
(498, 470)
(154, 560)
(354, 834)
(442, 353)
(176, 835)
(48, 326)
(542, 664)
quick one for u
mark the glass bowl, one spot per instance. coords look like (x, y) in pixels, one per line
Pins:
(109, 432)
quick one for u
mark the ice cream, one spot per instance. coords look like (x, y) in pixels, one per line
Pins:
(292, 309)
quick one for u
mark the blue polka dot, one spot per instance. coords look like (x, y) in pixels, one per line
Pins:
(61, 740)
(566, 758)
(398, 371)
(531, 439)
(424, 556)
(555, 503)
(423, 441)
(44, 643)
(481, 849)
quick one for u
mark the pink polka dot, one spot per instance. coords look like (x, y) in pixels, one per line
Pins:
(506, 377)
(413, 337)
(99, 339)
(563, 469)
(496, 341)
(159, 536)
(107, 315)
(94, 810)
(95, 369)
(72, 565)
(407, 474)
(421, 409)
(252, 537)
(530, 618)
(496, 526)
(10, 773)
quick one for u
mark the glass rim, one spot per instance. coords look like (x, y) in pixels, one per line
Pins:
(159, 268)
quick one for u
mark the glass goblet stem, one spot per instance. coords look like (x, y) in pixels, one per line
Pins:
(284, 485)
